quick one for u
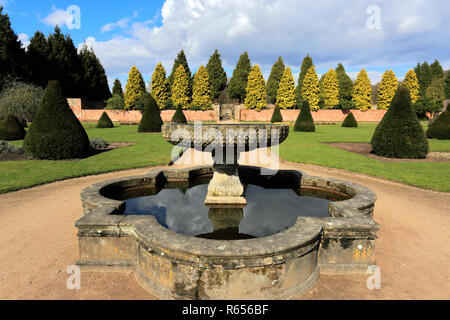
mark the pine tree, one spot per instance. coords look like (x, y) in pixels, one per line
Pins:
(117, 88)
(256, 90)
(217, 76)
(425, 76)
(436, 92)
(436, 70)
(306, 65)
(362, 92)
(104, 122)
(151, 119)
(310, 89)
(386, 90)
(11, 129)
(181, 60)
(286, 91)
(37, 54)
(413, 85)
(134, 89)
(201, 95)
(305, 121)
(345, 84)
(276, 115)
(330, 90)
(160, 86)
(274, 80)
(238, 83)
(180, 88)
(447, 85)
(95, 83)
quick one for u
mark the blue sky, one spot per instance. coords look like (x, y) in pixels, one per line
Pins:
(371, 34)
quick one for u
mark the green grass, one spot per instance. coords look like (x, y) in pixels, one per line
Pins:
(151, 149)
(306, 147)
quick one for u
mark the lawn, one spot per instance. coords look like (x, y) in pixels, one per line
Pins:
(151, 149)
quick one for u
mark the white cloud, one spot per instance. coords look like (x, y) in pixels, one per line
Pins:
(122, 23)
(58, 17)
(23, 37)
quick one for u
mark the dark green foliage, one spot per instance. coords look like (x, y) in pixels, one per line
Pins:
(447, 85)
(350, 121)
(400, 134)
(305, 121)
(179, 117)
(276, 116)
(424, 106)
(440, 128)
(117, 88)
(346, 104)
(104, 122)
(306, 64)
(345, 84)
(424, 76)
(95, 83)
(238, 83)
(11, 129)
(217, 76)
(151, 119)
(181, 59)
(37, 54)
(55, 132)
(116, 102)
(274, 80)
(436, 70)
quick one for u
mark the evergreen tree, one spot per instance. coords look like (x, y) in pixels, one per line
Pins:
(400, 134)
(310, 89)
(104, 122)
(330, 90)
(286, 91)
(276, 116)
(201, 95)
(181, 60)
(436, 70)
(37, 54)
(117, 88)
(440, 127)
(238, 83)
(436, 92)
(350, 121)
(95, 82)
(180, 88)
(151, 119)
(386, 89)
(425, 76)
(306, 65)
(413, 85)
(134, 89)
(217, 76)
(11, 129)
(447, 85)
(160, 86)
(345, 84)
(55, 132)
(305, 121)
(274, 80)
(179, 116)
(362, 91)
(256, 90)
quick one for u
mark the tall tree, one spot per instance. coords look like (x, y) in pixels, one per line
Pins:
(180, 88)
(201, 95)
(160, 86)
(217, 76)
(386, 89)
(345, 84)
(238, 83)
(274, 80)
(37, 53)
(425, 76)
(330, 90)
(447, 85)
(436, 92)
(310, 89)
(436, 70)
(306, 65)
(117, 88)
(95, 82)
(286, 91)
(362, 91)
(134, 89)
(181, 60)
(256, 90)
(412, 84)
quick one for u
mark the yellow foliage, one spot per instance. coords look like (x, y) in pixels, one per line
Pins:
(286, 98)
(160, 86)
(201, 96)
(362, 92)
(387, 89)
(135, 88)
(180, 88)
(412, 83)
(330, 90)
(256, 90)
(310, 89)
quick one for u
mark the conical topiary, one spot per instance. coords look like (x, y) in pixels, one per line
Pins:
(276, 116)
(104, 122)
(305, 121)
(151, 119)
(11, 129)
(55, 132)
(400, 134)
(179, 117)
(440, 128)
(350, 121)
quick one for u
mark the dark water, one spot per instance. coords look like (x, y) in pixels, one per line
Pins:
(269, 211)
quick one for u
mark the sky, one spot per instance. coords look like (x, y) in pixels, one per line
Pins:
(376, 35)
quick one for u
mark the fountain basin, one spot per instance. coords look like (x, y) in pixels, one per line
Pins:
(174, 266)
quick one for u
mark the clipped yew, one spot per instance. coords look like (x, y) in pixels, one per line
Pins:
(350, 121)
(151, 119)
(305, 121)
(105, 122)
(440, 127)
(11, 129)
(276, 116)
(55, 133)
(179, 116)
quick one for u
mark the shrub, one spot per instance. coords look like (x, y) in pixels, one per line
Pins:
(55, 132)
(20, 100)
(350, 121)
(98, 144)
(305, 121)
(11, 129)
(6, 148)
(104, 122)
(346, 104)
(179, 117)
(400, 134)
(423, 106)
(440, 128)
(116, 102)
(276, 116)
(151, 119)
